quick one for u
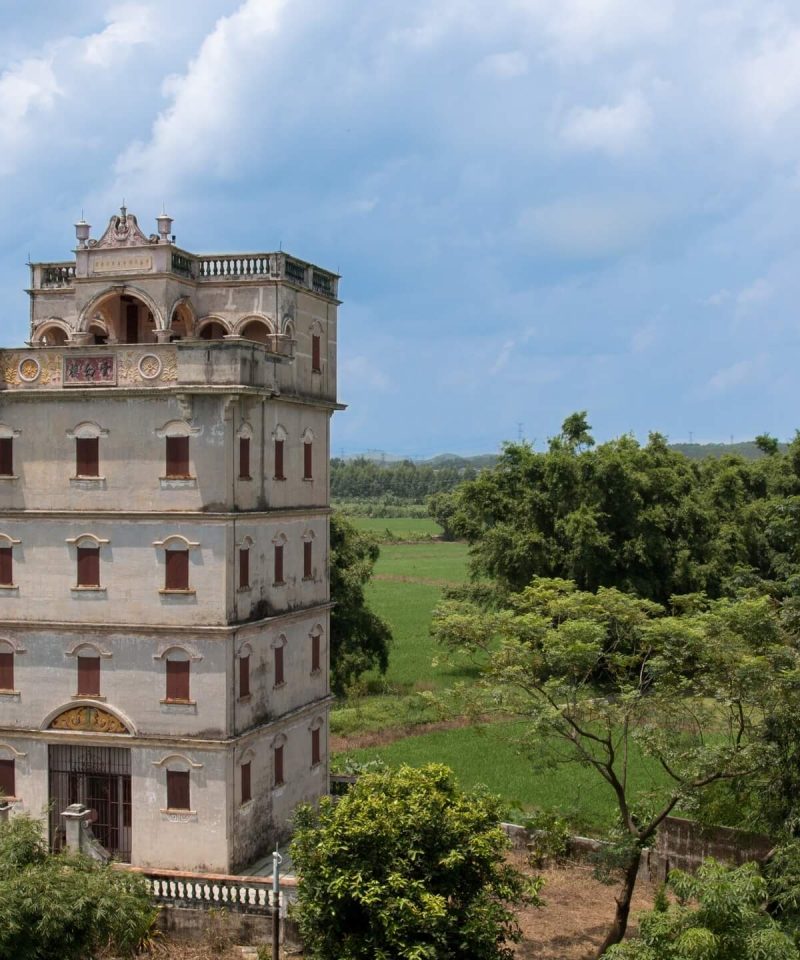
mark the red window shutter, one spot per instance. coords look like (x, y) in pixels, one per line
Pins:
(7, 786)
(87, 457)
(88, 566)
(315, 652)
(278, 563)
(307, 559)
(244, 568)
(6, 671)
(6, 456)
(279, 460)
(176, 574)
(244, 676)
(278, 764)
(244, 458)
(315, 751)
(178, 790)
(246, 795)
(307, 460)
(316, 362)
(178, 679)
(89, 676)
(278, 666)
(177, 457)
(6, 566)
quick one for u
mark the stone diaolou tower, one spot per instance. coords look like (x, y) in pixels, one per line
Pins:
(164, 590)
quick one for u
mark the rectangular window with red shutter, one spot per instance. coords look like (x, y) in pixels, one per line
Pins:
(246, 794)
(316, 353)
(87, 457)
(178, 790)
(176, 569)
(316, 755)
(278, 563)
(277, 755)
(178, 680)
(89, 676)
(244, 458)
(88, 566)
(244, 676)
(315, 658)
(6, 566)
(279, 678)
(6, 670)
(177, 467)
(279, 460)
(6, 456)
(308, 460)
(308, 558)
(7, 784)
(244, 568)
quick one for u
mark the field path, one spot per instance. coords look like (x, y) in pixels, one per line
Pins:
(402, 578)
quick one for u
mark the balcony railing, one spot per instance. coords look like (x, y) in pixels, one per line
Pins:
(57, 274)
(207, 268)
(215, 891)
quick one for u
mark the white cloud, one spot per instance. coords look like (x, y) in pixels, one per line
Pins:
(732, 376)
(771, 79)
(362, 371)
(502, 357)
(25, 89)
(590, 226)
(644, 337)
(718, 298)
(614, 130)
(758, 292)
(580, 29)
(128, 25)
(514, 63)
(205, 127)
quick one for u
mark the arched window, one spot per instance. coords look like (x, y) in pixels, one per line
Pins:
(308, 455)
(7, 436)
(7, 545)
(316, 741)
(176, 563)
(278, 745)
(6, 667)
(87, 449)
(177, 673)
(88, 660)
(244, 563)
(278, 545)
(308, 555)
(316, 649)
(87, 556)
(279, 440)
(244, 671)
(176, 434)
(278, 647)
(245, 433)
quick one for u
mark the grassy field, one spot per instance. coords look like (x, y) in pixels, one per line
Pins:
(489, 756)
(403, 528)
(434, 562)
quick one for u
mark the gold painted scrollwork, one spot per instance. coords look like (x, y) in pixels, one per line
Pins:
(92, 719)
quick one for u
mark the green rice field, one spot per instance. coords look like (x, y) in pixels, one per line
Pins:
(403, 528)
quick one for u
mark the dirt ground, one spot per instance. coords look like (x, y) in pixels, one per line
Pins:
(577, 914)
(571, 926)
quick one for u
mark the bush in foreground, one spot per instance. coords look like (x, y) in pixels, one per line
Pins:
(60, 907)
(406, 866)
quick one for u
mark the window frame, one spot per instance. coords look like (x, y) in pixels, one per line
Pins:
(7, 457)
(278, 666)
(176, 573)
(244, 458)
(179, 786)
(7, 565)
(8, 773)
(177, 680)
(6, 670)
(244, 676)
(87, 567)
(278, 772)
(87, 458)
(280, 466)
(177, 465)
(316, 353)
(88, 669)
(245, 780)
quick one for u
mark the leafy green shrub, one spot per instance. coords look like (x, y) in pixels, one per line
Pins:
(406, 867)
(549, 840)
(62, 907)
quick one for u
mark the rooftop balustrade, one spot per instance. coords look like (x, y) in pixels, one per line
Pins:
(206, 268)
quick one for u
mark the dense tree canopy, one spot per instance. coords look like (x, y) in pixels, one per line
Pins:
(405, 867)
(359, 638)
(645, 519)
(60, 907)
(361, 478)
(595, 677)
(719, 915)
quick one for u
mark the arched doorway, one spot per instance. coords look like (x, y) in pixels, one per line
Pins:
(213, 330)
(256, 330)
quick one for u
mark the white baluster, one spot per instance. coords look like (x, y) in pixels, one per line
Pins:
(206, 892)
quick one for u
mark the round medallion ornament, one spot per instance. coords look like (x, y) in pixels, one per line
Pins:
(29, 369)
(150, 366)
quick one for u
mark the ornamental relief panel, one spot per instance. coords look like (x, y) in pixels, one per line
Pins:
(88, 719)
(127, 367)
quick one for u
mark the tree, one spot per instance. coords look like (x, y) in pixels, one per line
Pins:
(720, 915)
(405, 867)
(644, 519)
(62, 907)
(359, 638)
(598, 677)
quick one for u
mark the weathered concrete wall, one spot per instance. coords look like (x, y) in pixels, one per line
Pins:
(192, 924)
(684, 844)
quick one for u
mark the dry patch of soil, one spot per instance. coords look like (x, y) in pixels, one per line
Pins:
(577, 914)
(379, 738)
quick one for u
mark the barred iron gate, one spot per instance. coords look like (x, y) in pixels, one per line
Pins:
(99, 778)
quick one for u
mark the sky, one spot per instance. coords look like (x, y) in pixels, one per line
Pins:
(536, 207)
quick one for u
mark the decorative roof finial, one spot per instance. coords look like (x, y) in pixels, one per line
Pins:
(123, 210)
